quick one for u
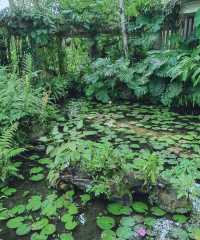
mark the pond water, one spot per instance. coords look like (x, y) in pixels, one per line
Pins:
(169, 134)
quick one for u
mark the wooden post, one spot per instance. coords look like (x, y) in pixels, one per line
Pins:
(123, 27)
(12, 5)
(60, 55)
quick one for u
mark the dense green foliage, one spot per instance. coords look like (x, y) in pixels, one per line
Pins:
(143, 159)
(8, 152)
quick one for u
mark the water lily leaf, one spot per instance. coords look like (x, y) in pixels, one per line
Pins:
(72, 209)
(69, 195)
(34, 203)
(37, 236)
(45, 161)
(49, 210)
(105, 223)
(66, 236)
(60, 202)
(5, 214)
(37, 177)
(48, 230)
(71, 225)
(157, 211)
(118, 209)
(15, 222)
(40, 224)
(125, 233)
(149, 221)
(23, 229)
(66, 217)
(85, 198)
(108, 235)
(180, 218)
(140, 207)
(8, 191)
(19, 209)
(127, 221)
(35, 170)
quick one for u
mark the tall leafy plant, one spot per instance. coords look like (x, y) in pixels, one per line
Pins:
(107, 79)
(20, 99)
(8, 151)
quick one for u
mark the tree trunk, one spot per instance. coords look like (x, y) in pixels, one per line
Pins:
(12, 5)
(123, 27)
(36, 4)
(61, 56)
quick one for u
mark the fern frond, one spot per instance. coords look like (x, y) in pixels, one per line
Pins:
(6, 139)
(14, 152)
(173, 90)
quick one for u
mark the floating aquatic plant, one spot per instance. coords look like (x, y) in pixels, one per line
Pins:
(119, 209)
(66, 236)
(15, 222)
(140, 207)
(34, 203)
(23, 229)
(105, 222)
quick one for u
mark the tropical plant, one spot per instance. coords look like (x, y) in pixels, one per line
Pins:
(20, 101)
(149, 166)
(183, 178)
(103, 163)
(8, 151)
(107, 79)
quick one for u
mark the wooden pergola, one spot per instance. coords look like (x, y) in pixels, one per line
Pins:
(183, 25)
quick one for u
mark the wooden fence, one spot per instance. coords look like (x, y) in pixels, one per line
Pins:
(185, 32)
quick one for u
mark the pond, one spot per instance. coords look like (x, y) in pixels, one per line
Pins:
(31, 209)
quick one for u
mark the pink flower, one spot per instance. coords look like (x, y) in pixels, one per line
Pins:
(142, 232)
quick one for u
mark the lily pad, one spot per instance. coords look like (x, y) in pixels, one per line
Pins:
(125, 233)
(140, 207)
(105, 223)
(118, 209)
(19, 209)
(85, 198)
(8, 191)
(71, 225)
(68, 219)
(180, 218)
(48, 230)
(5, 214)
(37, 177)
(15, 222)
(45, 161)
(69, 195)
(149, 221)
(35, 170)
(108, 235)
(158, 211)
(66, 236)
(127, 221)
(49, 210)
(72, 209)
(34, 203)
(59, 203)
(40, 224)
(23, 229)
(37, 236)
